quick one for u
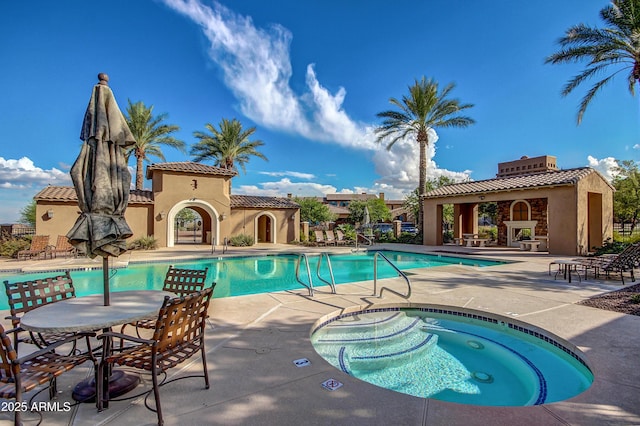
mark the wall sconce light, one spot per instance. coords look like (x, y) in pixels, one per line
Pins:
(194, 183)
(292, 217)
(162, 215)
(223, 217)
(49, 214)
(482, 197)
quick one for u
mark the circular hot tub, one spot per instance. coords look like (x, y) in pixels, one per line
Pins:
(453, 354)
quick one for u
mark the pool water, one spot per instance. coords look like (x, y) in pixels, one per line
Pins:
(236, 276)
(440, 354)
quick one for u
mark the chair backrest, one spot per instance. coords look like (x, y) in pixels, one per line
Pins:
(181, 321)
(25, 296)
(339, 235)
(627, 258)
(330, 236)
(63, 244)
(184, 281)
(319, 236)
(8, 370)
(39, 242)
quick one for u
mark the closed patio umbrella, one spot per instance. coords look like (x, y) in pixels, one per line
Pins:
(102, 180)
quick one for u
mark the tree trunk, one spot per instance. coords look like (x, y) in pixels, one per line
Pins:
(423, 141)
(139, 168)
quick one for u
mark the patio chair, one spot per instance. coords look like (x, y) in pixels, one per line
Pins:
(39, 244)
(21, 375)
(28, 295)
(180, 281)
(178, 335)
(320, 241)
(340, 237)
(625, 261)
(331, 238)
(63, 247)
(622, 262)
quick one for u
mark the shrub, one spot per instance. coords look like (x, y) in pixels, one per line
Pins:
(409, 238)
(348, 230)
(242, 240)
(10, 246)
(148, 242)
(610, 246)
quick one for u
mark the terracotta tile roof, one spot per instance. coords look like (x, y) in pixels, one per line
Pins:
(250, 201)
(338, 210)
(68, 193)
(349, 197)
(189, 167)
(552, 178)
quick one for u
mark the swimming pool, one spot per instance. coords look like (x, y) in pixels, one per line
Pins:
(453, 354)
(237, 276)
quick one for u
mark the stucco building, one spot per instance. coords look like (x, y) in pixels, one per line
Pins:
(175, 186)
(572, 210)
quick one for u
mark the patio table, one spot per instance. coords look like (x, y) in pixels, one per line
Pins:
(88, 313)
(567, 266)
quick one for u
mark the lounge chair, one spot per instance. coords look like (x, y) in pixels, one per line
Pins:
(63, 247)
(340, 238)
(331, 238)
(620, 263)
(320, 241)
(39, 244)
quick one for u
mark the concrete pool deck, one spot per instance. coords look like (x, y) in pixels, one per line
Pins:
(253, 340)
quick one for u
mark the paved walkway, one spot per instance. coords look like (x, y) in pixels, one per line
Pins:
(253, 340)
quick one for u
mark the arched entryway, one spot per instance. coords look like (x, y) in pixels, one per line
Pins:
(265, 228)
(209, 226)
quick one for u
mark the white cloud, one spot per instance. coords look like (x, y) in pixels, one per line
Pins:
(22, 173)
(285, 186)
(299, 175)
(605, 166)
(257, 67)
(636, 146)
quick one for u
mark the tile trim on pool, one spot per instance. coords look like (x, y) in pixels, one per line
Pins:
(461, 313)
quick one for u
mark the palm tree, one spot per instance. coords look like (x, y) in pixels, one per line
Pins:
(149, 133)
(616, 45)
(425, 108)
(227, 147)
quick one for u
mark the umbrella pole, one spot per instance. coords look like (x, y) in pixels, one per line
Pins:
(105, 279)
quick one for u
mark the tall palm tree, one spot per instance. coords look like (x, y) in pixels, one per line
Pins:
(424, 108)
(149, 133)
(228, 146)
(617, 45)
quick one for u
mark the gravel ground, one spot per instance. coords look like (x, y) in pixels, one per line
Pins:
(626, 300)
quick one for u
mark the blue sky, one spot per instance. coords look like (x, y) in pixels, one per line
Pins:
(310, 76)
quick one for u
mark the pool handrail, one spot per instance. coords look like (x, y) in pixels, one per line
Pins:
(331, 284)
(306, 261)
(400, 273)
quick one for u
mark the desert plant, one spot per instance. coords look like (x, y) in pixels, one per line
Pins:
(148, 242)
(242, 240)
(10, 246)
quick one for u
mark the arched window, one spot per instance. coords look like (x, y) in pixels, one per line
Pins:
(520, 211)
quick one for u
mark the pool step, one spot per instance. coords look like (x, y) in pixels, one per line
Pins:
(381, 326)
(389, 355)
(382, 340)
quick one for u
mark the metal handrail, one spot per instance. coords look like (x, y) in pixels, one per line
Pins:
(331, 284)
(298, 262)
(375, 277)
